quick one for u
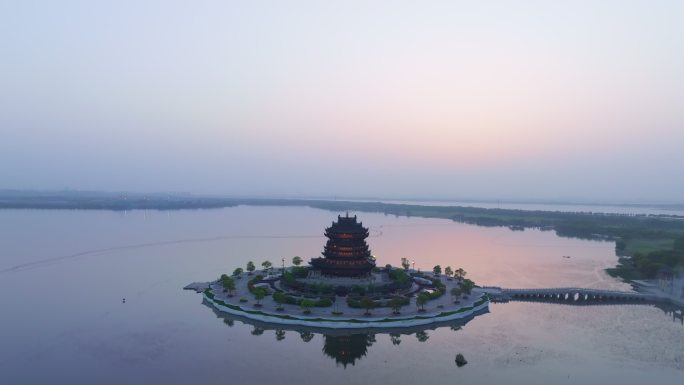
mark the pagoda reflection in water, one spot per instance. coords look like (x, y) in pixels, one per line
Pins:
(346, 349)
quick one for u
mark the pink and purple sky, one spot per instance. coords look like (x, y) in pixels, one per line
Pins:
(580, 100)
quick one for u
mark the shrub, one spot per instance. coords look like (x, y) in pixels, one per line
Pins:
(250, 284)
(399, 276)
(300, 271)
(307, 304)
(353, 303)
(324, 302)
(320, 288)
(358, 289)
(440, 289)
(288, 278)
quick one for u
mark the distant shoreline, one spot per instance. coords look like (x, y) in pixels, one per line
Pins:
(125, 202)
(97, 200)
(633, 234)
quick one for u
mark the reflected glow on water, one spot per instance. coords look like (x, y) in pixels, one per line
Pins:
(63, 312)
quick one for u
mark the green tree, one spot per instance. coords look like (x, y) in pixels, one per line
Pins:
(297, 260)
(259, 294)
(422, 299)
(228, 284)
(237, 272)
(280, 299)
(401, 277)
(266, 265)
(460, 273)
(448, 272)
(437, 270)
(231, 287)
(456, 293)
(306, 304)
(467, 286)
(368, 304)
(250, 267)
(396, 303)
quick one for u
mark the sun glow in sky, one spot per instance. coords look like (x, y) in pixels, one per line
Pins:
(537, 99)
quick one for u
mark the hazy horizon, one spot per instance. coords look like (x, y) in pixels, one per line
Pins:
(433, 200)
(535, 101)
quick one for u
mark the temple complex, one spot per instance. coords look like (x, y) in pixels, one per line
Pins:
(342, 289)
(346, 253)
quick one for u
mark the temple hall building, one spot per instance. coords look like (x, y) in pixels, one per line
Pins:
(346, 253)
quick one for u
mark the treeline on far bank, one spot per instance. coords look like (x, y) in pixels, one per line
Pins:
(646, 243)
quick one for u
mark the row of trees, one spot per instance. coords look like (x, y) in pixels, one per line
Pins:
(367, 303)
(267, 265)
(437, 270)
(449, 272)
(466, 287)
(396, 303)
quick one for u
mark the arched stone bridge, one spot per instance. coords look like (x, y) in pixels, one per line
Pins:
(570, 294)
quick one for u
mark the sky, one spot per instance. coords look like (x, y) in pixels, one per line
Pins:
(549, 100)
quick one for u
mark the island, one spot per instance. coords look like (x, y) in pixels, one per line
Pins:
(344, 289)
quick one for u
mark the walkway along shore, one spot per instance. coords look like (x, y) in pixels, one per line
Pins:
(340, 322)
(438, 310)
(340, 315)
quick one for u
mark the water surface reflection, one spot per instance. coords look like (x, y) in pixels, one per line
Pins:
(344, 346)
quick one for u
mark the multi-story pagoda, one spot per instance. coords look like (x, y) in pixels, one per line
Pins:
(346, 253)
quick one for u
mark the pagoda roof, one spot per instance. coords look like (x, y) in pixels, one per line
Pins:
(347, 224)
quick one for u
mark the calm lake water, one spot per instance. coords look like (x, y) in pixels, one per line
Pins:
(63, 275)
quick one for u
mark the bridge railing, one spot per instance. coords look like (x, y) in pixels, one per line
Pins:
(569, 290)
